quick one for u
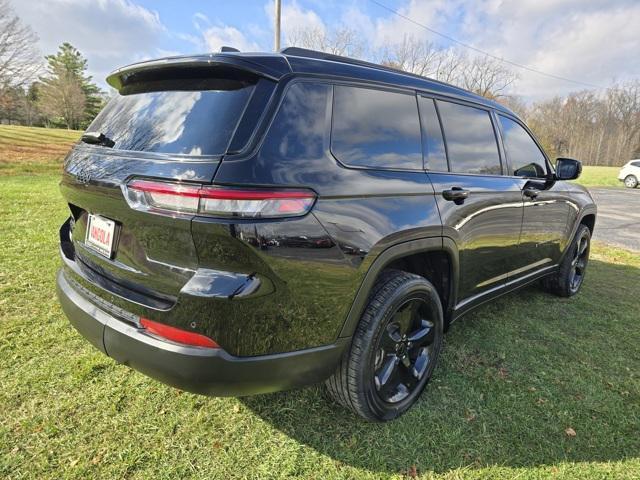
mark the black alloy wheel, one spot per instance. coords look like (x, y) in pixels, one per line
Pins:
(394, 349)
(579, 262)
(404, 351)
(567, 281)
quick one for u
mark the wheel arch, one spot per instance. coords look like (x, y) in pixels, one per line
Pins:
(587, 216)
(410, 253)
(589, 219)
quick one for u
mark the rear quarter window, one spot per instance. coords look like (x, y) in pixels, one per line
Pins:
(186, 122)
(376, 129)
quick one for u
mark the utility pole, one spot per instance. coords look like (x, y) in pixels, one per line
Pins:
(277, 27)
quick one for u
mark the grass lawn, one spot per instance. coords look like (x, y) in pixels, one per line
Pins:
(517, 379)
(34, 150)
(600, 177)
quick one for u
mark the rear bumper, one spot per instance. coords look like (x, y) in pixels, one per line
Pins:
(198, 370)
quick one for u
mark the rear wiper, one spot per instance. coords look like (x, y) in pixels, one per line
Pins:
(97, 138)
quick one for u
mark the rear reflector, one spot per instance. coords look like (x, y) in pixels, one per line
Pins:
(177, 335)
(216, 201)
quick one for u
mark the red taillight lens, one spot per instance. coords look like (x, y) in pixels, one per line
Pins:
(218, 201)
(177, 335)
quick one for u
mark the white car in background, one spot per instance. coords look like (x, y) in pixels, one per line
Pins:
(630, 174)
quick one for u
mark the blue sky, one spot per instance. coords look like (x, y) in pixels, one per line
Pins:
(594, 41)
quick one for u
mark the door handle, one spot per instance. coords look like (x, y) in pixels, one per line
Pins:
(531, 192)
(456, 195)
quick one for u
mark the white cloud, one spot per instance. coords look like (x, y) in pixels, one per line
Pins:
(294, 18)
(393, 28)
(224, 35)
(213, 36)
(110, 33)
(592, 41)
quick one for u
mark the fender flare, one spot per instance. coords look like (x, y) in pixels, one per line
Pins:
(587, 210)
(395, 252)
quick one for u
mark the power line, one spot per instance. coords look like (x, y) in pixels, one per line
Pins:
(475, 49)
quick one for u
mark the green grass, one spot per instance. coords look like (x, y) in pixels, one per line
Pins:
(599, 177)
(33, 150)
(514, 376)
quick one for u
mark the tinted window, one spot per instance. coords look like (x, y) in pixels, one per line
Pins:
(434, 155)
(471, 142)
(373, 128)
(182, 122)
(299, 128)
(526, 158)
(635, 164)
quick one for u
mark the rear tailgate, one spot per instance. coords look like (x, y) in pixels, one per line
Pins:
(152, 254)
(166, 123)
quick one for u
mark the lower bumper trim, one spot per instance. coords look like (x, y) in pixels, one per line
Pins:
(198, 370)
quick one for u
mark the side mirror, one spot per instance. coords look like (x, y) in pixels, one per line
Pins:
(568, 169)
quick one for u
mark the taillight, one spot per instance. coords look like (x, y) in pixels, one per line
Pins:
(177, 335)
(215, 201)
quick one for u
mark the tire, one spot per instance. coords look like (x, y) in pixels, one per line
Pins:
(630, 181)
(399, 337)
(570, 276)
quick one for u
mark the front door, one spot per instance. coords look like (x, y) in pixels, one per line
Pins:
(545, 224)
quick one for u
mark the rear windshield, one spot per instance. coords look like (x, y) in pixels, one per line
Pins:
(187, 122)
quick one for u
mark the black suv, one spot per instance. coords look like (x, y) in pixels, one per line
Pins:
(245, 223)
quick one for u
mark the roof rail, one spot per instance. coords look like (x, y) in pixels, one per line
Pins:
(305, 52)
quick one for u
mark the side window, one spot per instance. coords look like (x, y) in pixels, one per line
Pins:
(435, 158)
(526, 158)
(298, 130)
(471, 140)
(376, 129)
(635, 164)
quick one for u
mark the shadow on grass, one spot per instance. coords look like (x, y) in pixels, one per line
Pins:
(514, 377)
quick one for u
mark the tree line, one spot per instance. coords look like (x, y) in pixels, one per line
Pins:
(54, 93)
(597, 127)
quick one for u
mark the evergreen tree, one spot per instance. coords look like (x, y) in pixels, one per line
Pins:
(68, 95)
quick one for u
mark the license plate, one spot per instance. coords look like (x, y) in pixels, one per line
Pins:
(100, 233)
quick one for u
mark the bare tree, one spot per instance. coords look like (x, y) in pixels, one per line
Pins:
(487, 76)
(62, 100)
(449, 65)
(423, 58)
(340, 41)
(411, 55)
(19, 57)
(515, 103)
(599, 129)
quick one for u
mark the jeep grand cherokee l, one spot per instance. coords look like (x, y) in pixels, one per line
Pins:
(245, 223)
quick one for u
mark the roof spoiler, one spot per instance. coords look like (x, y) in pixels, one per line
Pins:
(266, 66)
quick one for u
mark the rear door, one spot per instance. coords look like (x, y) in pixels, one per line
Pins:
(481, 209)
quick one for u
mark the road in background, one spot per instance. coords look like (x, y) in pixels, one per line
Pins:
(618, 219)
